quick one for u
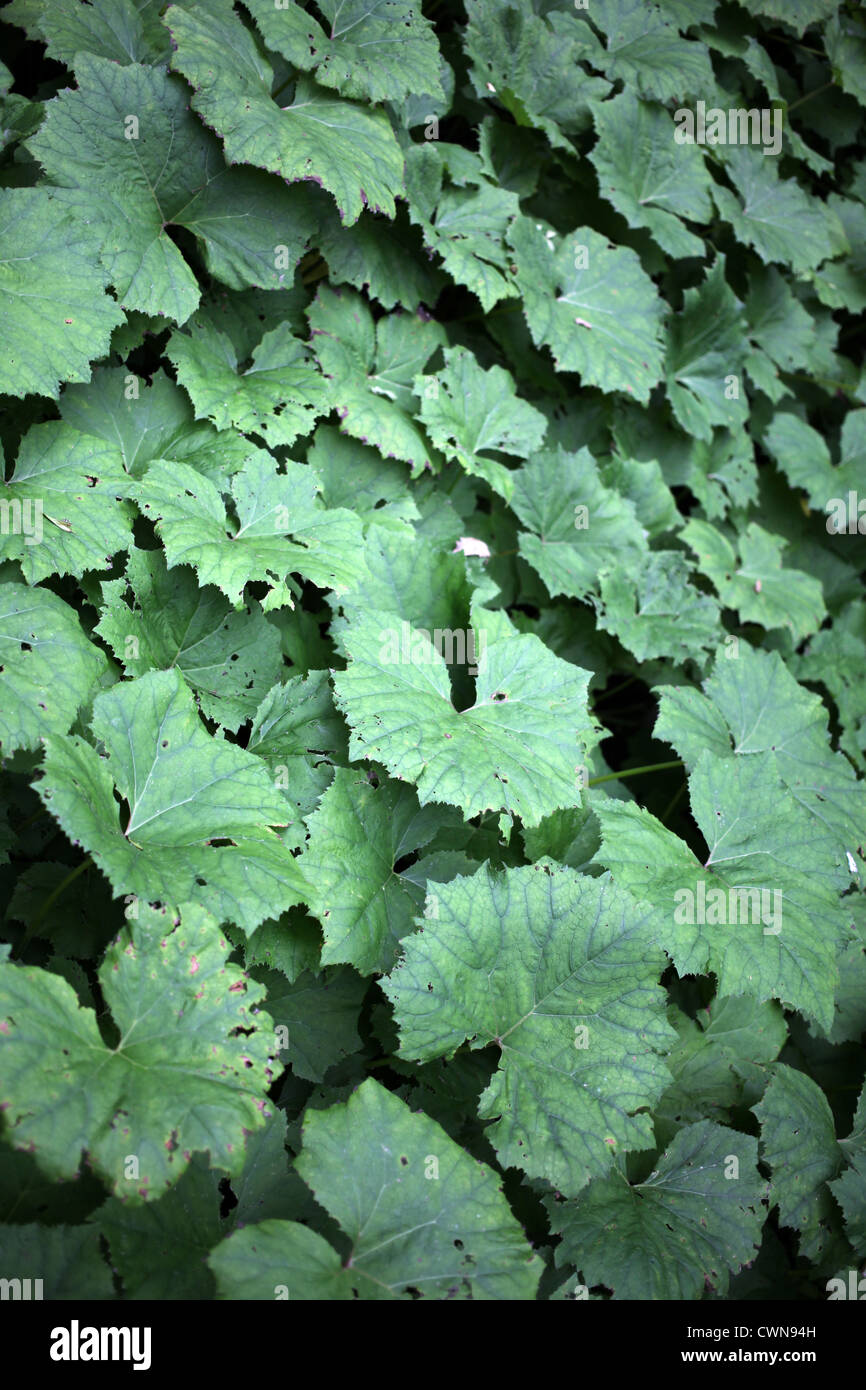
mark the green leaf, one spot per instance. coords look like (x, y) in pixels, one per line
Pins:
(230, 659)
(576, 524)
(798, 1142)
(319, 1014)
(797, 14)
(466, 226)
(380, 255)
(297, 731)
(655, 611)
(278, 396)
(58, 317)
(752, 705)
(365, 1160)
(77, 918)
(371, 369)
(150, 420)
(40, 635)
(850, 1189)
(183, 790)
(755, 583)
(66, 1260)
(410, 578)
(349, 149)
(67, 492)
(643, 48)
(470, 414)
(761, 911)
(725, 1048)
(518, 749)
(696, 1219)
(357, 477)
(534, 73)
(365, 915)
(196, 529)
(117, 29)
(706, 346)
(559, 971)
(381, 50)
(775, 216)
(593, 306)
(650, 180)
(778, 323)
(188, 1074)
(159, 1249)
(164, 170)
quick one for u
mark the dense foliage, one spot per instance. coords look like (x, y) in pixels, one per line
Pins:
(432, 612)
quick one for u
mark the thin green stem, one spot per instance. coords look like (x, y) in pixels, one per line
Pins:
(39, 917)
(674, 801)
(313, 275)
(609, 694)
(283, 85)
(510, 308)
(824, 381)
(809, 95)
(795, 43)
(634, 772)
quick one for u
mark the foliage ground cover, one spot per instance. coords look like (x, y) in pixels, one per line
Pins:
(431, 596)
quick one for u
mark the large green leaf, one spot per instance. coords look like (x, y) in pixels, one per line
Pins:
(66, 1260)
(798, 1140)
(576, 525)
(365, 915)
(188, 1073)
(121, 30)
(559, 971)
(696, 1219)
(465, 222)
(64, 503)
(316, 1017)
(199, 812)
(277, 396)
(655, 610)
(756, 583)
(58, 317)
(424, 1218)
(379, 49)
(751, 705)
(534, 73)
(40, 635)
(778, 941)
(642, 48)
(774, 215)
(371, 367)
(653, 182)
(517, 749)
(349, 149)
(706, 346)
(470, 414)
(156, 619)
(593, 306)
(132, 159)
(271, 505)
